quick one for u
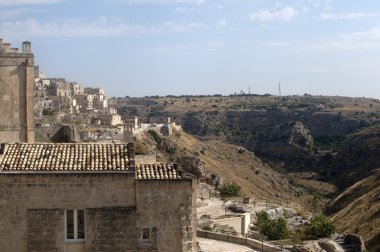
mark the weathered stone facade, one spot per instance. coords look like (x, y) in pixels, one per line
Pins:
(117, 205)
(16, 93)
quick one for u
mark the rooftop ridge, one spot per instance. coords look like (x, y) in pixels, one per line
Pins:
(64, 158)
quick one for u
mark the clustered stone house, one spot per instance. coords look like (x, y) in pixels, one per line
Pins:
(70, 96)
(83, 197)
(74, 104)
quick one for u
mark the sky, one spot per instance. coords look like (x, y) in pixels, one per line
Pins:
(194, 47)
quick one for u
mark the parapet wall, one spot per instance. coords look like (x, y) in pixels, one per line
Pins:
(255, 244)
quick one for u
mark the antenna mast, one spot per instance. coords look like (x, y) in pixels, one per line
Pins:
(279, 88)
(310, 82)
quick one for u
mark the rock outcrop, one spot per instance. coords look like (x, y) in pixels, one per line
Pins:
(359, 155)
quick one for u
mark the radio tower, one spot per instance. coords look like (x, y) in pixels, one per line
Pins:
(279, 88)
(310, 82)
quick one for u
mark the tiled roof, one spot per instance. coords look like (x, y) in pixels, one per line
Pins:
(157, 171)
(64, 157)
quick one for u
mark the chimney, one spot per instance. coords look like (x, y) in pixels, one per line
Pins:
(26, 47)
(2, 148)
(131, 156)
(128, 133)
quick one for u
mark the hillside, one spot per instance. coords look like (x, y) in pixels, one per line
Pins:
(357, 210)
(321, 143)
(231, 163)
(264, 124)
(360, 153)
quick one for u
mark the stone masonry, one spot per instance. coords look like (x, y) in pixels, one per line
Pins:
(16, 93)
(117, 204)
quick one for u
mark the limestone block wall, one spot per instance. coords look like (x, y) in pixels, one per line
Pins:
(234, 222)
(169, 205)
(114, 229)
(44, 229)
(146, 159)
(32, 206)
(16, 98)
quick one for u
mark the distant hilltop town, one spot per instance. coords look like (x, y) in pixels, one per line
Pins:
(68, 111)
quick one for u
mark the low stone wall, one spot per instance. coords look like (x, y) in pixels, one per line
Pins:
(255, 244)
(234, 222)
(146, 159)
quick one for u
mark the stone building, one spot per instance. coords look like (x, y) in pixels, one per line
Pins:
(85, 102)
(77, 197)
(91, 197)
(77, 88)
(16, 93)
(94, 91)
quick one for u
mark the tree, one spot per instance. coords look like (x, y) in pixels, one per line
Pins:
(156, 137)
(47, 112)
(229, 190)
(273, 229)
(321, 226)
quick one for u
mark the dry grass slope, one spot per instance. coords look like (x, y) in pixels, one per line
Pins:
(357, 209)
(231, 163)
(241, 167)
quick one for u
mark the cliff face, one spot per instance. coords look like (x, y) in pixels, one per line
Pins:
(294, 133)
(359, 155)
(320, 124)
(281, 136)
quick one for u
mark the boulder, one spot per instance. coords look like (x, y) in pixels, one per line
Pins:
(330, 246)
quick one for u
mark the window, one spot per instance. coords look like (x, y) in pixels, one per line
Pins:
(146, 235)
(75, 230)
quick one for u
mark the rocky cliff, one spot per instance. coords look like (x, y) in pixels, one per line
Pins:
(359, 155)
(279, 136)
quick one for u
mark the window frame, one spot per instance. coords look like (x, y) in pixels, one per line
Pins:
(149, 240)
(75, 219)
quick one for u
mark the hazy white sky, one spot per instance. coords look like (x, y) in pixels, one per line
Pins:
(161, 47)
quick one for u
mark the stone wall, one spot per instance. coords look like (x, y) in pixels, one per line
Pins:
(114, 229)
(16, 99)
(146, 159)
(23, 227)
(170, 206)
(44, 229)
(234, 222)
(252, 243)
(117, 207)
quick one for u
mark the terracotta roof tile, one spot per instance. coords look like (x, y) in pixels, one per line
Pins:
(157, 171)
(64, 157)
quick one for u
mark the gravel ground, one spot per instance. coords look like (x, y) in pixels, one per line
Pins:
(208, 245)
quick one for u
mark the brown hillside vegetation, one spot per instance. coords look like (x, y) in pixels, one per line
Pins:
(357, 209)
(231, 163)
(359, 155)
(237, 165)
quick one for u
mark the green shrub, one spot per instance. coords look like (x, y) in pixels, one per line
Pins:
(47, 112)
(229, 190)
(273, 229)
(321, 226)
(156, 137)
(171, 150)
(207, 228)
